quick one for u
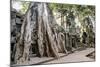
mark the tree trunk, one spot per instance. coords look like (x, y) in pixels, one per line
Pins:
(38, 30)
(44, 28)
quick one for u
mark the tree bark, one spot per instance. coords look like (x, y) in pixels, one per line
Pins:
(38, 30)
(35, 20)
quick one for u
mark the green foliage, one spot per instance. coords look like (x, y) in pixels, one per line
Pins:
(78, 9)
(24, 7)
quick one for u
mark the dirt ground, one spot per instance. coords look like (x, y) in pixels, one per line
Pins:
(77, 56)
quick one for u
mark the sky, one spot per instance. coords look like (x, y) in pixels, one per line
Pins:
(16, 5)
